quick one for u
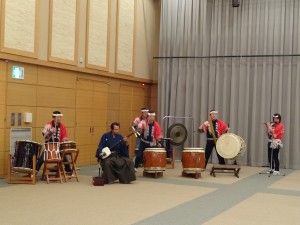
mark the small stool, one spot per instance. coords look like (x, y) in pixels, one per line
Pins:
(72, 155)
(152, 174)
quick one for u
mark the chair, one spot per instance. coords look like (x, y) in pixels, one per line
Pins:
(72, 155)
(52, 163)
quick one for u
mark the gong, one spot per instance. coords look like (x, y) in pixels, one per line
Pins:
(177, 133)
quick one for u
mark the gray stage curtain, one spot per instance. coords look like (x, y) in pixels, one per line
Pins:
(246, 90)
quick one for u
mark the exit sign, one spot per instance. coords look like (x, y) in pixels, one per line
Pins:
(18, 72)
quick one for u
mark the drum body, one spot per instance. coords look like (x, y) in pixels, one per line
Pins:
(193, 159)
(230, 146)
(155, 159)
(24, 152)
(51, 151)
(67, 145)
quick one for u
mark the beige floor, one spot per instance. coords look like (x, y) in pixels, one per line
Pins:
(84, 204)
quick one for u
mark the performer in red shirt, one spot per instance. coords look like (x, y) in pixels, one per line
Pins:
(54, 131)
(136, 122)
(213, 128)
(151, 134)
(275, 132)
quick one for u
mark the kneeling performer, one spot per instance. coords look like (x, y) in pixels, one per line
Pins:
(116, 165)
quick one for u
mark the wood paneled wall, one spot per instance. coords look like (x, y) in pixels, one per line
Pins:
(89, 105)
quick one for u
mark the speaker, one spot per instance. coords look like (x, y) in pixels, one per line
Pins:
(235, 3)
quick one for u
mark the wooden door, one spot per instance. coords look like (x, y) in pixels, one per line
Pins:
(91, 118)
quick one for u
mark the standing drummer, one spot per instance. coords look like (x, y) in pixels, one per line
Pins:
(151, 134)
(213, 128)
(54, 131)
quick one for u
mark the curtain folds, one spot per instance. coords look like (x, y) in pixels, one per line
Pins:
(231, 59)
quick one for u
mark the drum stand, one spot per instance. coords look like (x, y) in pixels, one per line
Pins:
(271, 170)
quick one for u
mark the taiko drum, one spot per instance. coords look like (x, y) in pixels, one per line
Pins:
(155, 159)
(193, 159)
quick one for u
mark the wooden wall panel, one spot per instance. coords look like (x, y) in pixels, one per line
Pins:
(20, 109)
(101, 86)
(55, 97)
(84, 99)
(126, 89)
(139, 91)
(98, 132)
(138, 102)
(3, 72)
(125, 102)
(83, 135)
(83, 84)
(2, 117)
(2, 93)
(100, 100)
(30, 73)
(38, 135)
(114, 86)
(56, 77)
(113, 116)
(100, 118)
(21, 94)
(84, 118)
(2, 130)
(84, 156)
(71, 133)
(113, 101)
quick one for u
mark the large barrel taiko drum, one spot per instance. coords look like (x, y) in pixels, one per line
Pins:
(230, 146)
(155, 159)
(193, 159)
(24, 152)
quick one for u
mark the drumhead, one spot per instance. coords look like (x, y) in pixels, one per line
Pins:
(155, 149)
(229, 145)
(193, 150)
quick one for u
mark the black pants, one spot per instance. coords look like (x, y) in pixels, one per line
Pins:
(273, 157)
(116, 167)
(210, 144)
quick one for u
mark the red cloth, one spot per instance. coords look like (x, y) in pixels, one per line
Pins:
(157, 133)
(63, 131)
(278, 131)
(222, 127)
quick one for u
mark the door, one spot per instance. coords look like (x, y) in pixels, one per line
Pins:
(91, 117)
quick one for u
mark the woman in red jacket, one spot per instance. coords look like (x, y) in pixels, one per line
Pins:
(275, 131)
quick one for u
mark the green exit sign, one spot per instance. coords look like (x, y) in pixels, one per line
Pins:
(18, 72)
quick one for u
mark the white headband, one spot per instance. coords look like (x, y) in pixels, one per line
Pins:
(213, 112)
(145, 110)
(59, 114)
(275, 116)
(151, 114)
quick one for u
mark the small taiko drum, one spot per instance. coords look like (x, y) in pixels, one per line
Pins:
(24, 151)
(230, 146)
(193, 159)
(155, 159)
(67, 145)
(51, 151)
